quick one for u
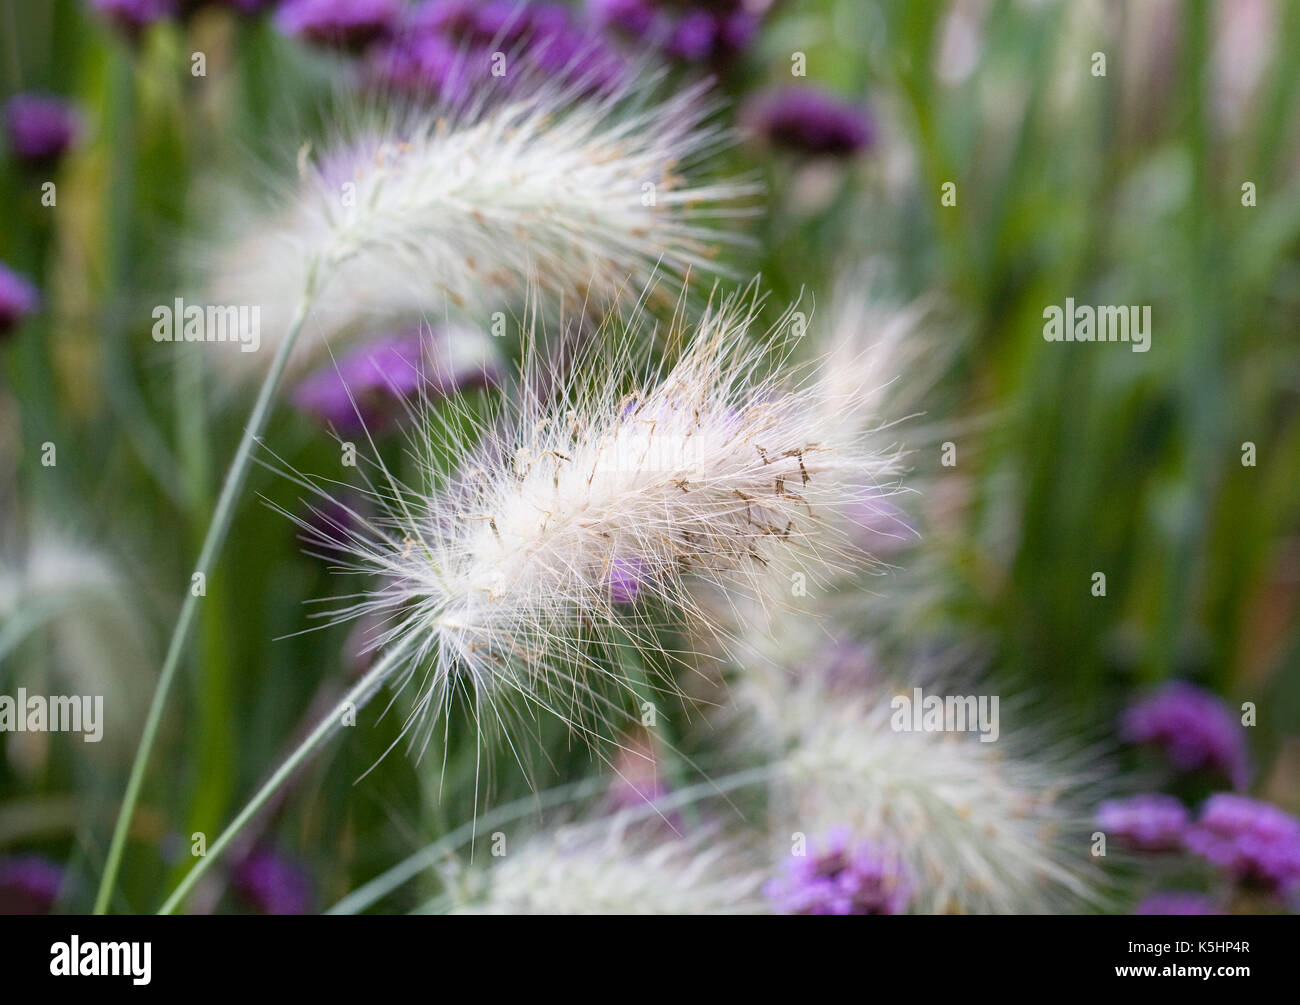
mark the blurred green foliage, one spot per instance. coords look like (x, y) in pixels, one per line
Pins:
(1072, 458)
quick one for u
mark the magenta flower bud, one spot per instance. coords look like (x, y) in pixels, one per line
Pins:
(841, 876)
(688, 32)
(693, 37)
(625, 578)
(39, 128)
(633, 16)
(344, 24)
(18, 299)
(1195, 728)
(29, 884)
(810, 121)
(367, 386)
(1256, 843)
(270, 883)
(1153, 822)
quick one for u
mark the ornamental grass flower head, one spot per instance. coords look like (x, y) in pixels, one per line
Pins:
(1148, 822)
(1196, 729)
(39, 128)
(511, 577)
(840, 875)
(808, 120)
(981, 828)
(29, 884)
(606, 866)
(1255, 842)
(414, 214)
(18, 299)
(370, 386)
(94, 641)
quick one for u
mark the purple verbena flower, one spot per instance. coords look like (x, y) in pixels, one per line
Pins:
(633, 16)
(693, 37)
(18, 299)
(689, 32)
(39, 127)
(272, 884)
(1177, 902)
(427, 66)
(1195, 728)
(29, 884)
(1257, 843)
(625, 578)
(810, 121)
(1150, 822)
(459, 40)
(841, 877)
(738, 29)
(366, 386)
(134, 16)
(345, 24)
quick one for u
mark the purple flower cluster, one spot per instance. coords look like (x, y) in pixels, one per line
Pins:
(1177, 902)
(690, 32)
(1151, 822)
(448, 48)
(809, 120)
(344, 24)
(1194, 727)
(29, 884)
(18, 299)
(367, 386)
(272, 884)
(842, 877)
(1255, 842)
(39, 128)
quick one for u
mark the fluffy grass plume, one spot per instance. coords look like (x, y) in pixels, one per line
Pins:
(417, 212)
(571, 530)
(608, 867)
(984, 827)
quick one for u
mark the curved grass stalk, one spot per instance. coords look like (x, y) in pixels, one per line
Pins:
(360, 693)
(222, 515)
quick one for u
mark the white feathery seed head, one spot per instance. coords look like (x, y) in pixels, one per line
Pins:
(572, 530)
(417, 213)
(609, 867)
(997, 827)
(72, 600)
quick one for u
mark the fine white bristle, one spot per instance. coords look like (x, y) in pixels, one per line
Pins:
(594, 517)
(605, 867)
(414, 214)
(984, 827)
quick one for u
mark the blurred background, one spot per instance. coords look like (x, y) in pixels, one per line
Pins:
(1166, 173)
